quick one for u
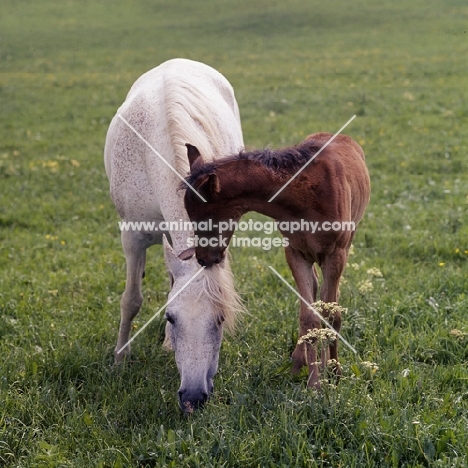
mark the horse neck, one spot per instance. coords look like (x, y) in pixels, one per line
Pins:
(249, 185)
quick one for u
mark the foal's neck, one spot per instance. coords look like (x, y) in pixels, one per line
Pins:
(249, 186)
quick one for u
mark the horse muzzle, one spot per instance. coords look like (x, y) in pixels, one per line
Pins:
(189, 400)
(207, 258)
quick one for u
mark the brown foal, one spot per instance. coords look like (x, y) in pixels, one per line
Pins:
(333, 188)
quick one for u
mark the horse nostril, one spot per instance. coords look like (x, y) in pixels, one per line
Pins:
(192, 402)
(217, 261)
(201, 262)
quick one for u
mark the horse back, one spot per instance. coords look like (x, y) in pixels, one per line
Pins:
(340, 170)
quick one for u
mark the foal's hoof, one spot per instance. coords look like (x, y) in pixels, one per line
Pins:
(314, 382)
(298, 360)
(297, 368)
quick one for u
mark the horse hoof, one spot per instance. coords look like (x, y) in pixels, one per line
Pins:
(298, 360)
(314, 382)
(296, 368)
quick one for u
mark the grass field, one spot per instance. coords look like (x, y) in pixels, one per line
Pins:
(297, 67)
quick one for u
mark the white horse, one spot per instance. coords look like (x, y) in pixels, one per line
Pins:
(178, 102)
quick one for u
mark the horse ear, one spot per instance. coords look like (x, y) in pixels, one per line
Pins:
(207, 185)
(194, 157)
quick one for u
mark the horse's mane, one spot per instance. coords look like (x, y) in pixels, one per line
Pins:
(288, 159)
(218, 286)
(189, 121)
(192, 118)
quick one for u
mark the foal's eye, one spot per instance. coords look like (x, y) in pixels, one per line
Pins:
(170, 319)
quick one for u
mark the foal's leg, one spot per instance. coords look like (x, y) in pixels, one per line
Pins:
(134, 247)
(332, 269)
(306, 281)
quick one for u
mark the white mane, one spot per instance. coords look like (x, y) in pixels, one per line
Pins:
(188, 122)
(218, 284)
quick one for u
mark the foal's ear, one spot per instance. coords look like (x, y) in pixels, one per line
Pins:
(194, 157)
(207, 185)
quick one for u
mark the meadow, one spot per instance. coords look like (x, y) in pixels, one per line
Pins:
(297, 68)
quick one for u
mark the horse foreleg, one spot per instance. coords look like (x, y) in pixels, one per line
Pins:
(305, 354)
(134, 247)
(332, 269)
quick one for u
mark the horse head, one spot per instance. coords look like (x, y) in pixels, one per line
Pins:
(194, 330)
(214, 220)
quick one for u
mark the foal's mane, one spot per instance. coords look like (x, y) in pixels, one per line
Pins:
(286, 159)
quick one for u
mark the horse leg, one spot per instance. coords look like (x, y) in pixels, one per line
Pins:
(324, 350)
(306, 281)
(332, 269)
(134, 247)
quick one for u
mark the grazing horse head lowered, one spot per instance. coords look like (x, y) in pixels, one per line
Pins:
(328, 184)
(196, 314)
(145, 159)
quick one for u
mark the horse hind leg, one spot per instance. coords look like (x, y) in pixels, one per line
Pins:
(134, 247)
(332, 269)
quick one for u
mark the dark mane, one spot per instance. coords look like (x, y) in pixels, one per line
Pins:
(288, 159)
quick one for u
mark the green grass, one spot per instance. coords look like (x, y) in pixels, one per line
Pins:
(297, 67)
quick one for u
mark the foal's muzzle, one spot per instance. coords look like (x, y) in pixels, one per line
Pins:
(208, 258)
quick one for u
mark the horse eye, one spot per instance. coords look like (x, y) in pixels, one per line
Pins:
(170, 319)
(221, 319)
